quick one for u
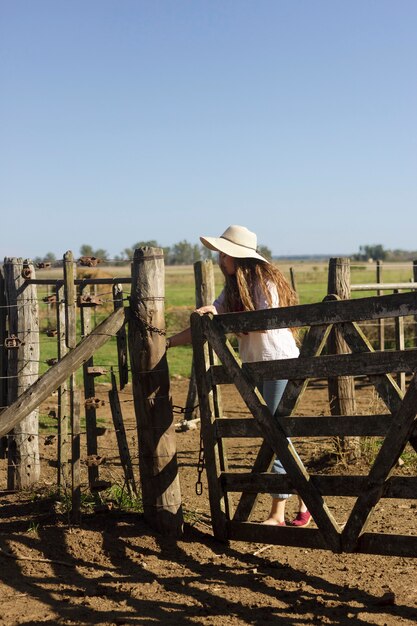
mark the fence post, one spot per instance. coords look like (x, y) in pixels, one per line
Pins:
(74, 405)
(3, 360)
(342, 389)
(117, 291)
(399, 344)
(22, 371)
(63, 395)
(204, 294)
(414, 334)
(89, 391)
(293, 280)
(381, 322)
(151, 394)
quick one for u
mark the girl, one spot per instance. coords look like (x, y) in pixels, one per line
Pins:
(252, 283)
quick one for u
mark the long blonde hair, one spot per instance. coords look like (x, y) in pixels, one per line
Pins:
(240, 288)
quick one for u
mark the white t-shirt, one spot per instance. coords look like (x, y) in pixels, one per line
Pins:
(263, 346)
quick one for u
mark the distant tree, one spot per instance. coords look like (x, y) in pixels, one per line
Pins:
(48, 258)
(265, 251)
(184, 253)
(128, 253)
(206, 253)
(87, 250)
(375, 252)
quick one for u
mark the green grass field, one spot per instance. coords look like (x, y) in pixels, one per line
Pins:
(310, 279)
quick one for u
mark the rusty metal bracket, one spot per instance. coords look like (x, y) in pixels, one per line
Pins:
(50, 299)
(93, 403)
(13, 342)
(96, 371)
(88, 300)
(26, 272)
(93, 460)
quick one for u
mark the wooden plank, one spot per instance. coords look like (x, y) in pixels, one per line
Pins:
(273, 433)
(400, 345)
(151, 393)
(403, 423)
(332, 485)
(116, 412)
(75, 452)
(310, 426)
(274, 535)
(121, 339)
(219, 501)
(313, 344)
(59, 372)
(387, 544)
(89, 392)
(383, 286)
(70, 299)
(381, 322)
(360, 309)
(63, 397)
(364, 363)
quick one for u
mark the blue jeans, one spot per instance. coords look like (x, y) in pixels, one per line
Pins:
(272, 391)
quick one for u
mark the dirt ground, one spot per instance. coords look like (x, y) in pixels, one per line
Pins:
(113, 569)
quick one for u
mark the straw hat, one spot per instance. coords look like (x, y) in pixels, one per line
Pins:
(237, 242)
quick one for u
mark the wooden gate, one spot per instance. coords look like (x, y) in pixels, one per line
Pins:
(397, 427)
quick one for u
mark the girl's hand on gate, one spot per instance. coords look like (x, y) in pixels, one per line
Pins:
(208, 308)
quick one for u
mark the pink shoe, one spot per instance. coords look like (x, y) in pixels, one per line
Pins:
(302, 520)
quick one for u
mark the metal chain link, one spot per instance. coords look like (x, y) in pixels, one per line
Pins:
(200, 468)
(148, 326)
(183, 409)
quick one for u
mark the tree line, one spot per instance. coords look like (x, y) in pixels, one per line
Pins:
(181, 253)
(377, 252)
(186, 253)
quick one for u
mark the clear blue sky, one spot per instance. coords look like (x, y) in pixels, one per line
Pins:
(130, 120)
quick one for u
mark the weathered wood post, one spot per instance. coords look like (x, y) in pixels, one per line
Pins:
(63, 396)
(89, 389)
(204, 294)
(381, 322)
(3, 359)
(399, 344)
(151, 392)
(415, 318)
(74, 405)
(117, 291)
(342, 389)
(293, 280)
(22, 370)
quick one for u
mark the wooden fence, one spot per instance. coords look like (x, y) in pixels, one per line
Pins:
(23, 391)
(397, 426)
(333, 325)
